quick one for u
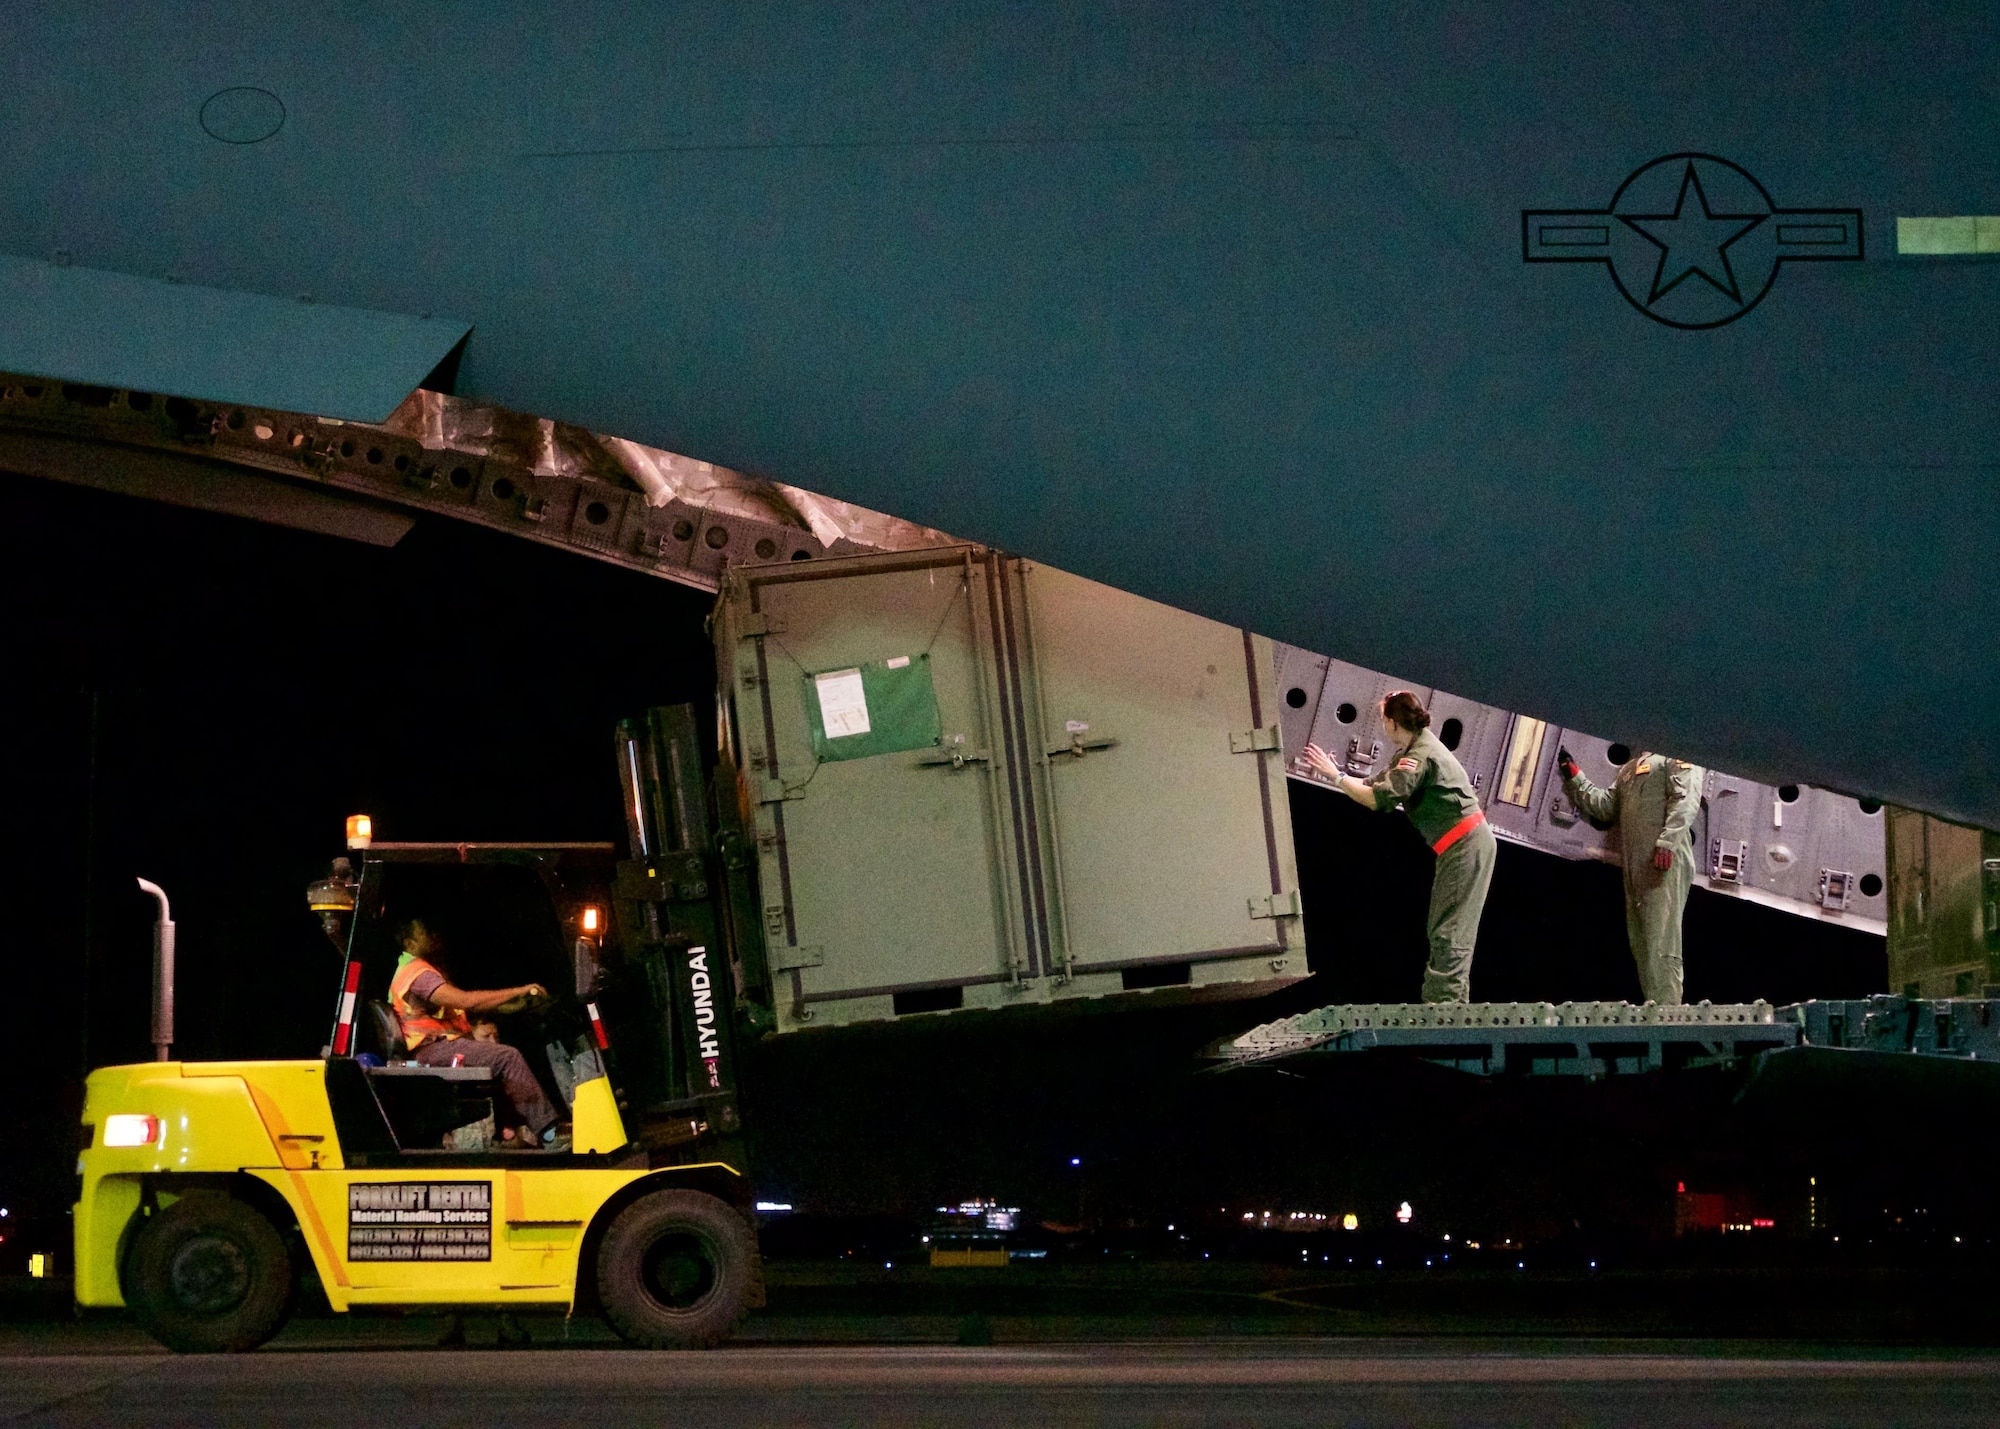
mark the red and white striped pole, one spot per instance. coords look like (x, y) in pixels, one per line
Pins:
(350, 996)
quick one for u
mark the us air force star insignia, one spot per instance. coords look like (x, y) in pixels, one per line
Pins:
(1691, 240)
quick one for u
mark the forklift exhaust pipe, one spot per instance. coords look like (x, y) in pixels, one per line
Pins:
(163, 972)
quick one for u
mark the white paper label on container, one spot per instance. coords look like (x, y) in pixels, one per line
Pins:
(1075, 726)
(899, 663)
(843, 704)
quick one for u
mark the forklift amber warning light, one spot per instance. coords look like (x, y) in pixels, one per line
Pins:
(360, 830)
(591, 919)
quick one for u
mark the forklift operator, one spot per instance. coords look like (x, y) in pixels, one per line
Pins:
(437, 1032)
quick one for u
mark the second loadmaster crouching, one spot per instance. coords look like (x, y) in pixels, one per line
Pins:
(1431, 785)
(1654, 800)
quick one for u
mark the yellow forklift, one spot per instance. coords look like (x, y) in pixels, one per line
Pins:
(213, 1192)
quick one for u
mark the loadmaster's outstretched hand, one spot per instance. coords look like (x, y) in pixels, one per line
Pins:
(1321, 763)
(1566, 762)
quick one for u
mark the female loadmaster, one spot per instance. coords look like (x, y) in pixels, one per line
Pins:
(1432, 788)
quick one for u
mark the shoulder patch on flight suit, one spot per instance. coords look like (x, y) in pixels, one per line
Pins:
(1406, 763)
(1646, 768)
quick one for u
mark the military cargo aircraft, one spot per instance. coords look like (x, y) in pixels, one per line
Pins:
(1623, 364)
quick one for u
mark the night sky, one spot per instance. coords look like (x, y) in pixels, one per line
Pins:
(201, 701)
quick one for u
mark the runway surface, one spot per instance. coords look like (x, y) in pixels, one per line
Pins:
(1250, 1382)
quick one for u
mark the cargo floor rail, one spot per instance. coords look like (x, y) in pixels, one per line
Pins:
(1599, 1039)
(1590, 1039)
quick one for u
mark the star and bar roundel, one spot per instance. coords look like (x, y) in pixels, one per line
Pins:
(1692, 241)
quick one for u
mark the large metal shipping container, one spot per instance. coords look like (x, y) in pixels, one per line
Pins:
(981, 783)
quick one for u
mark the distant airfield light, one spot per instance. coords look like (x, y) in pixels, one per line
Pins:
(774, 1205)
(1350, 1222)
(1403, 1213)
(1076, 1161)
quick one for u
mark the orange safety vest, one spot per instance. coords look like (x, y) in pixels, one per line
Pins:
(420, 1022)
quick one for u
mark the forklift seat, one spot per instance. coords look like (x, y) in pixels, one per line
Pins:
(386, 1031)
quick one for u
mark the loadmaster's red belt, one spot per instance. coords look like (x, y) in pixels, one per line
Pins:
(1459, 830)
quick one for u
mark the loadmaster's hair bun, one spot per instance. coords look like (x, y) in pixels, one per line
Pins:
(1405, 711)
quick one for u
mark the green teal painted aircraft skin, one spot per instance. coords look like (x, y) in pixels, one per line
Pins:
(1226, 304)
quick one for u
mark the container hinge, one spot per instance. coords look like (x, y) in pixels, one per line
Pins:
(1254, 741)
(784, 959)
(1275, 905)
(759, 622)
(776, 793)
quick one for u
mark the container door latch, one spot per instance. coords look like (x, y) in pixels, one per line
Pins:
(955, 753)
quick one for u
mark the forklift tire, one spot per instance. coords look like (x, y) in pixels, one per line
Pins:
(210, 1273)
(676, 1271)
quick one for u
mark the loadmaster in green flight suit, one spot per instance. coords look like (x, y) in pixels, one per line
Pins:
(1430, 784)
(1654, 799)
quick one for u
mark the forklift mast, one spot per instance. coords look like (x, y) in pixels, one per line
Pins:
(679, 900)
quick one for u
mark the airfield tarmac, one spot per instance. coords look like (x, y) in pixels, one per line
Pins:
(98, 1378)
(1234, 1345)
